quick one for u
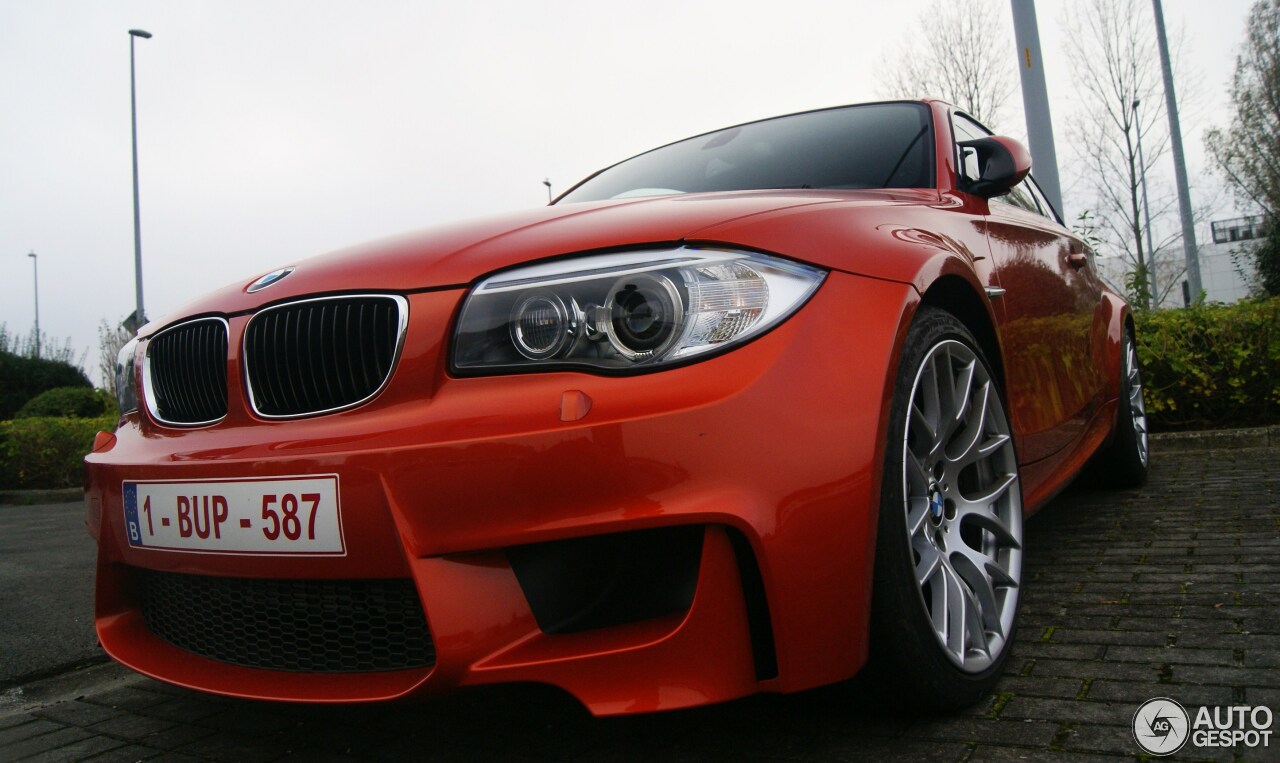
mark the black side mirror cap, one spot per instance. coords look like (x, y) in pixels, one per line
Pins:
(1002, 164)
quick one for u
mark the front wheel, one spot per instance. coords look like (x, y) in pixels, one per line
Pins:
(949, 544)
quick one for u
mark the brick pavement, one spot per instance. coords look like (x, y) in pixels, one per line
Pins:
(1167, 591)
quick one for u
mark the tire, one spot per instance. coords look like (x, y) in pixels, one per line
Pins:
(948, 565)
(1125, 461)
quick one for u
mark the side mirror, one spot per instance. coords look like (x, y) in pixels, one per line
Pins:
(1002, 163)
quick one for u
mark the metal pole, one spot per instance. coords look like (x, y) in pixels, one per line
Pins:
(35, 277)
(1179, 161)
(138, 314)
(1146, 211)
(547, 183)
(1035, 100)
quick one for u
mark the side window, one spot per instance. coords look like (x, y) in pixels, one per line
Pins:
(966, 129)
(1046, 208)
(1020, 196)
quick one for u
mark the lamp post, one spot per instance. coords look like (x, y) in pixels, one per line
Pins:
(1189, 248)
(547, 183)
(137, 219)
(35, 277)
(1146, 211)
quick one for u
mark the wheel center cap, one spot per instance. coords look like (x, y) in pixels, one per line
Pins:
(936, 506)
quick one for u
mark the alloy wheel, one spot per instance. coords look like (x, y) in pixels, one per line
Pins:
(963, 505)
(1137, 405)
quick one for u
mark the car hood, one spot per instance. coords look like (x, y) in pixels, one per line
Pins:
(459, 254)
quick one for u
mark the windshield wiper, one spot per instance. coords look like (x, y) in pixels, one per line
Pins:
(903, 158)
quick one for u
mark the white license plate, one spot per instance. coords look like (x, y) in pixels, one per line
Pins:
(267, 516)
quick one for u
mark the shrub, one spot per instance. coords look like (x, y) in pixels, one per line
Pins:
(1211, 366)
(23, 378)
(47, 452)
(68, 402)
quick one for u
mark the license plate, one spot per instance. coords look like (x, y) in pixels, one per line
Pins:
(268, 516)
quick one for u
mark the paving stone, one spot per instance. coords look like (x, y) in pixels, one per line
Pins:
(1087, 737)
(127, 698)
(131, 727)
(1095, 669)
(1184, 656)
(219, 747)
(1203, 674)
(1137, 693)
(78, 713)
(1067, 635)
(896, 750)
(992, 754)
(7, 722)
(1082, 711)
(185, 709)
(127, 754)
(1040, 686)
(42, 743)
(31, 728)
(79, 749)
(1029, 733)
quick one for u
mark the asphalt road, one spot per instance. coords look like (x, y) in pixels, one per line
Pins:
(46, 591)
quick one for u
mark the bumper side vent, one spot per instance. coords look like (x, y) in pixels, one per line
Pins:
(605, 580)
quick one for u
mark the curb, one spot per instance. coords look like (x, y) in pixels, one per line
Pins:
(39, 497)
(1217, 439)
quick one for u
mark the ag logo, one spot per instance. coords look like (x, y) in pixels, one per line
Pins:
(1161, 726)
(269, 279)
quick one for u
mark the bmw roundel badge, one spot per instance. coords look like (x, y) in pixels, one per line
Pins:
(268, 279)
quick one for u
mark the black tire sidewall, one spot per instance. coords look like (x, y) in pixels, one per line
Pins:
(1120, 462)
(906, 660)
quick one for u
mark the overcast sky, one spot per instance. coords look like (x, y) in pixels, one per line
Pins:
(271, 130)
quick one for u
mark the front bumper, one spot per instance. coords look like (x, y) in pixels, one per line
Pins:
(769, 452)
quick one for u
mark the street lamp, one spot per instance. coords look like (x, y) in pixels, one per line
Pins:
(547, 183)
(1146, 210)
(35, 276)
(137, 219)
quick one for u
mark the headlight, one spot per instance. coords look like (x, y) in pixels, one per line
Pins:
(626, 311)
(126, 386)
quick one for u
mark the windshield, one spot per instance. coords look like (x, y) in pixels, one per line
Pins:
(881, 145)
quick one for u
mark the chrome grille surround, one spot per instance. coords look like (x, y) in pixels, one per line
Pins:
(315, 356)
(184, 373)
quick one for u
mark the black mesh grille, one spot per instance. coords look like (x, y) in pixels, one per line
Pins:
(320, 355)
(187, 367)
(314, 626)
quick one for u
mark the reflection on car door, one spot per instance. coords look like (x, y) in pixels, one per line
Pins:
(1051, 296)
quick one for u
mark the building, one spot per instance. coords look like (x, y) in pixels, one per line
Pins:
(1226, 278)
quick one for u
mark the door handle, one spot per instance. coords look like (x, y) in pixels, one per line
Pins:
(1077, 260)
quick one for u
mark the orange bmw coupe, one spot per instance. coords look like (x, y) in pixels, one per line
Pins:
(750, 412)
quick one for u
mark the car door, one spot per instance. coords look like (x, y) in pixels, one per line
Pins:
(1051, 294)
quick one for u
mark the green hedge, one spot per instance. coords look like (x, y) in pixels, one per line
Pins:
(23, 378)
(47, 452)
(1213, 366)
(68, 402)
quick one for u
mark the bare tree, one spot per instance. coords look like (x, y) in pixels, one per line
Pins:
(110, 340)
(60, 351)
(1116, 64)
(961, 52)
